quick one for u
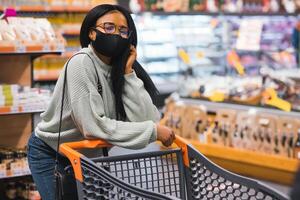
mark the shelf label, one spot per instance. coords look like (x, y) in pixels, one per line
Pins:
(20, 48)
(249, 35)
(14, 109)
(46, 48)
(60, 47)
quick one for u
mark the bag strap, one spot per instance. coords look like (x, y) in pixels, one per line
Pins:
(99, 87)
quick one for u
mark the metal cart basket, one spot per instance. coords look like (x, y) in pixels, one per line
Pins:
(179, 173)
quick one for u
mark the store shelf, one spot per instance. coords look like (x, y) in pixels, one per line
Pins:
(60, 9)
(51, 75)
(71, 32)
(63, 55)
(33, 50)
(14, 176)
(217, 13)
(258, 165)
(214, 106)
(13, 110)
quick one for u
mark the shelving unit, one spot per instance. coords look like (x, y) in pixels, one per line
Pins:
(214, 106)
(266, 167)
(249, 163)
(253, 164)
(16, 123)
(15, 176)
(13, 110)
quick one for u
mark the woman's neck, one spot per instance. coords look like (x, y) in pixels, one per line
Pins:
(104, 59)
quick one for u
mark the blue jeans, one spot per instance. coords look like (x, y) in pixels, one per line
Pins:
(41, 158)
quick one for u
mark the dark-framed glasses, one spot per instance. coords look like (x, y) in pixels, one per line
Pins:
(111, 28)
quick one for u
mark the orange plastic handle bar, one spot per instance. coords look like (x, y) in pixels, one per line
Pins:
(89, 144)
(68, 149)
(179, 141)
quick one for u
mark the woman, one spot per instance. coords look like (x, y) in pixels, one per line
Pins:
(122, 113)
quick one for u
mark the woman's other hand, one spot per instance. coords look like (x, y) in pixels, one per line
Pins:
(131, 58)
(165, 135)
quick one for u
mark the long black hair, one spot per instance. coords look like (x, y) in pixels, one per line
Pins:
(118, 63)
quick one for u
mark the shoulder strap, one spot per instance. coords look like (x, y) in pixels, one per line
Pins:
(99, 87)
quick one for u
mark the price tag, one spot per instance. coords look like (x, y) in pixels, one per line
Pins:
(217, 96)
(14, 109)
(60, 47)
(46, 48)
(271, 98)
(20, 48)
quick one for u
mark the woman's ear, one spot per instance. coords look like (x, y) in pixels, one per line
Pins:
(92, 34)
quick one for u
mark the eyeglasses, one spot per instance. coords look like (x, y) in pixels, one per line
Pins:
(111, 28)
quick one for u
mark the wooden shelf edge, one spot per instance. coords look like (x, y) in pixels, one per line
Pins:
(50, 8)
(50, 75)
(248, 157)
(46, 78)
(65, 54)
(13, 110)
(72, 32)
(15, 176)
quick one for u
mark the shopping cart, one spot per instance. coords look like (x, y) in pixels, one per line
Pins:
(178, 173)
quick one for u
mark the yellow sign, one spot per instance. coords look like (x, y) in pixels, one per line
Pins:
(234, 60)
(217, 96)
(184, 56)
(271, 98)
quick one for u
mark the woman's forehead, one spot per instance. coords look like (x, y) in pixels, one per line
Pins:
(115, 17)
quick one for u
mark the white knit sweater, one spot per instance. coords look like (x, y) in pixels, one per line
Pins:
(87, 114)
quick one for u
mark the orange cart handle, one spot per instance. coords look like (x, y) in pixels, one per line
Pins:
(89, 144)
(68, 149)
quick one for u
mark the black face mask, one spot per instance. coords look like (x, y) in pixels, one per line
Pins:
(110, 45)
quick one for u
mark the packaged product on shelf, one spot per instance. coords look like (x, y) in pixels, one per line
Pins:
(297, 145)
(23, 98)
(287, 134)
(13, 162)
(10, 191)
(7, 36)
(20, 164)
(194, 123)
(2, 165)
(242, 136)
(265, 132)
(21, 190)
(30, 34)
(33, 193)
(20, 187)
(224, 122)
(47, 3)
(176, 119)
(7, 159)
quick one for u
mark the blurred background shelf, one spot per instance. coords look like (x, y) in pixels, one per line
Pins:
(262, 166)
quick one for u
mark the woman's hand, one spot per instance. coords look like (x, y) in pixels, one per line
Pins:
(130, 60)
(165, 135)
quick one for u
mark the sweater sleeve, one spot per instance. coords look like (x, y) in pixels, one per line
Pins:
(138, 104)
(89, 116)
